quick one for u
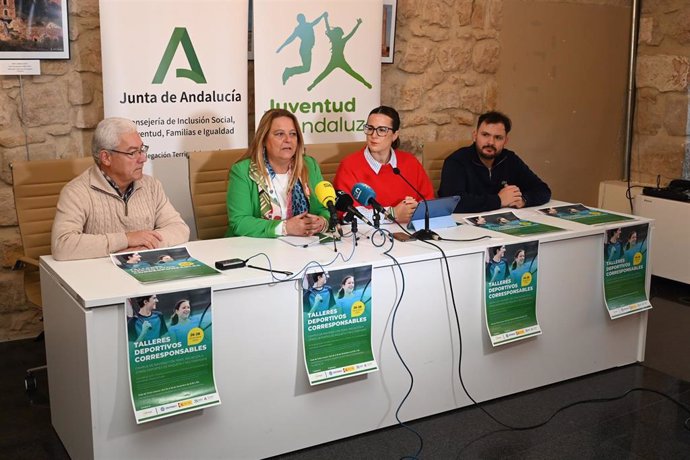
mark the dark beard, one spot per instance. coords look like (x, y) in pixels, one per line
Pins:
(485, 156)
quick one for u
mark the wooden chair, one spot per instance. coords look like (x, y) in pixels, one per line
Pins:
(329, 156)
(37, 185)
(433, 155)
(208, 183)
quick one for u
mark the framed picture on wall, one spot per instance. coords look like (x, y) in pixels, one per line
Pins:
(388, 31)
(34, 29)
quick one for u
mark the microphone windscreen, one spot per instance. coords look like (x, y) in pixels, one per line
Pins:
(343, 201)
(363, 193)
(325, 192)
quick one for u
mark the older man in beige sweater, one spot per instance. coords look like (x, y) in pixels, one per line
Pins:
(113, 206)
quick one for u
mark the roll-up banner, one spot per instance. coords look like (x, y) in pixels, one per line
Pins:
(178, 69)
(322, 61)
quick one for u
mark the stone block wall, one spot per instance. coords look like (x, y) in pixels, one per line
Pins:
(41, 117)
(444, 74)
(661, 142)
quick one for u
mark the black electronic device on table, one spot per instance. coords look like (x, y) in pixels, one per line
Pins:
(677, 189)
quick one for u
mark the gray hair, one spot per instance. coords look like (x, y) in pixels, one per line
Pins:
(108, 133)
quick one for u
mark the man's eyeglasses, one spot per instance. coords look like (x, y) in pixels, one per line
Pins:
(143, 150)
(380, 130)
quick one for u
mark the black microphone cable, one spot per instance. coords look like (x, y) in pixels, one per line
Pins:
(387, 237)
(485, 237)
(508, 426)
(307, 266)
(380, 241)
(462, 382)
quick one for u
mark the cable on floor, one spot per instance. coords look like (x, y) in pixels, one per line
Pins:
(686, 424)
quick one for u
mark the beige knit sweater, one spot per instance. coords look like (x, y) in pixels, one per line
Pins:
(92, 220)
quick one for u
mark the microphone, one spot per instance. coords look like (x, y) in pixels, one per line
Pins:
(367, 197)
(325, 193)
(344, 203)
(424, 234)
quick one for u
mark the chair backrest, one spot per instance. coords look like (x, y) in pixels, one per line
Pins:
(37, 185)
(208, 184)
(433, 155)
(329, 156)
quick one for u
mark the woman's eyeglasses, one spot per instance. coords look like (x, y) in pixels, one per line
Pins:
(380, 130)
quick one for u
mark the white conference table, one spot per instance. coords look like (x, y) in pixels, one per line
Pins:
(268, 406)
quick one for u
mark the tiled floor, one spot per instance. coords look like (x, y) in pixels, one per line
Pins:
(642, 425)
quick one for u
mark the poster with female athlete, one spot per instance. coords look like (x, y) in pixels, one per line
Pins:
(625, 270)
(510, 224)
(510, 298)
(336, 320)
(582, 214)
(170, 350)
(163, 264)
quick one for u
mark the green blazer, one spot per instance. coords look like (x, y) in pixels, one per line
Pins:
(244, 215)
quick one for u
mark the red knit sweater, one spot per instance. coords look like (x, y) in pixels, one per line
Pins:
(390, 189)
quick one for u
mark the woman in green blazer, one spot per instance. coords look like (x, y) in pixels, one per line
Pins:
(271, 189)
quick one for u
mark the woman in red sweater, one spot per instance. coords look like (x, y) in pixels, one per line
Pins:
(373, 165)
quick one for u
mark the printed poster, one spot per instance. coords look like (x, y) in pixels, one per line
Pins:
(511, 292)
(582, 214)
(170, 353)
(510, 224)
(625, 270)
(336, 321)
(164, 264)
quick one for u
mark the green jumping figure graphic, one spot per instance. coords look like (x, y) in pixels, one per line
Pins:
(338, 41)
(305, 32)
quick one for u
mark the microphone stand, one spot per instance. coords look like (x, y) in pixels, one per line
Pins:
(333, 224)
(377, 219)
(353, 226)
(426, 233)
